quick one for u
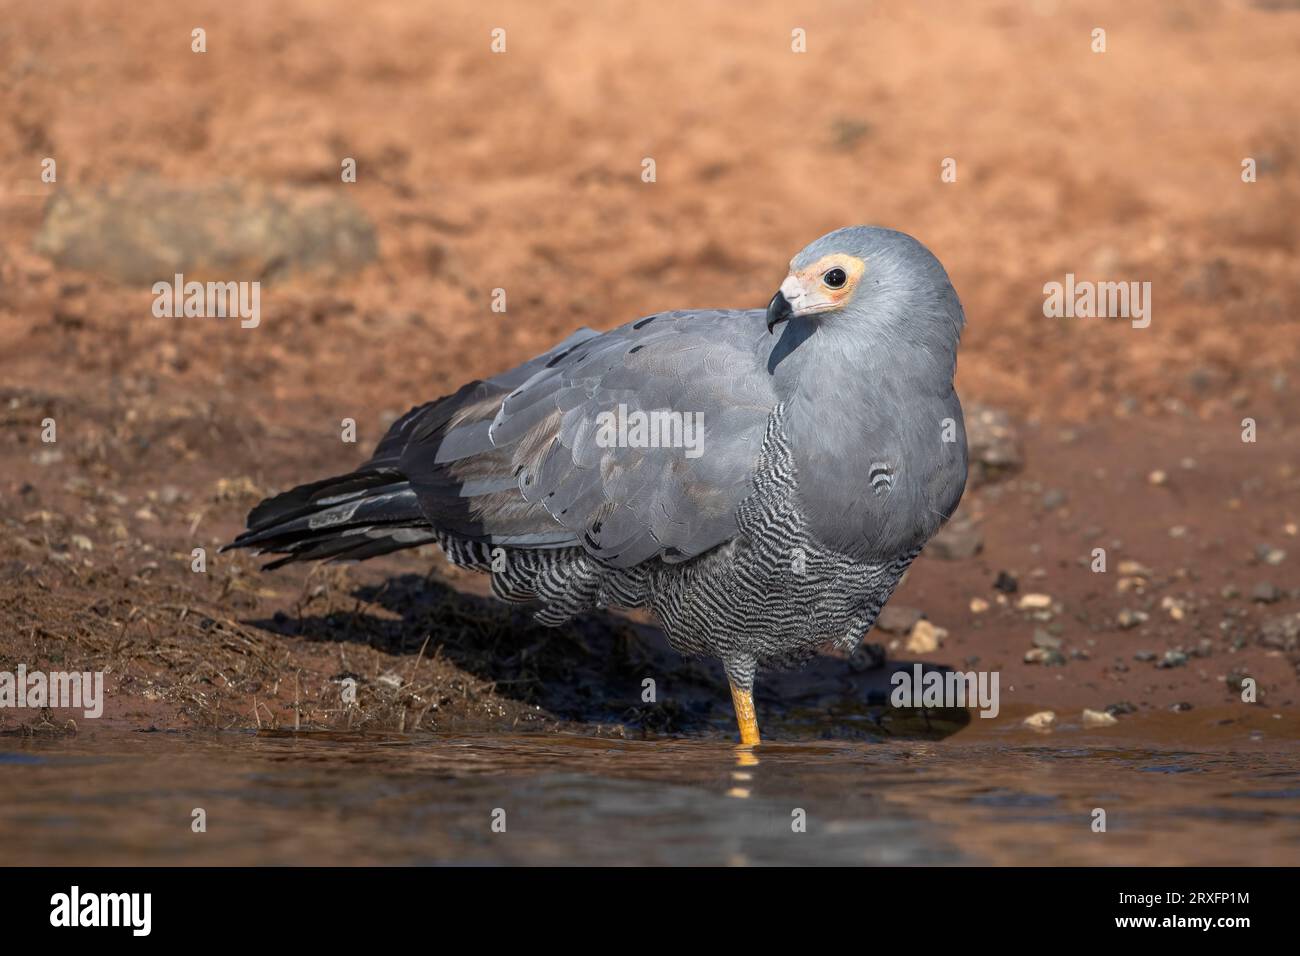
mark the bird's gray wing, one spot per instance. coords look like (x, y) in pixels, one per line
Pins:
(521, 460)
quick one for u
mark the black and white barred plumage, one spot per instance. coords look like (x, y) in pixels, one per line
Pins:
(767, 599)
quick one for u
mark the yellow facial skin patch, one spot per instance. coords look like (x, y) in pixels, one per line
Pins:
(812, 294)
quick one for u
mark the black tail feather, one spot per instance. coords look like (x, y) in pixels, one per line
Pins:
(354, 516)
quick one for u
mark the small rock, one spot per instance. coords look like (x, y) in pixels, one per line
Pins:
(1098, 718)
(1006, 583)
(1042, 720)
(1034, 602)
(956, 541)
(1235, 680)
(925, 638)
(82, 542)
(1121, 707)
(897, 618)
(1269, 555)
(1045, 656)
(978, 605)
(1129, 618)
(1181, 707)
(1172, 659)
(1144, 656)
(1282, 633)
(1176, 607)
(993, 444)
(1045, 639)
(1053, 499)
(1158, 477)
(1230, 592)
(1266, 592)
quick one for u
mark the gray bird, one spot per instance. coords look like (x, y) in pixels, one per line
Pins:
(761, 493)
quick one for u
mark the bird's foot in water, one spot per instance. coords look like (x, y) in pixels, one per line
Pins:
(746, 718)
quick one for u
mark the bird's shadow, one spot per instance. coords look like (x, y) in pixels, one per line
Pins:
(605, 668)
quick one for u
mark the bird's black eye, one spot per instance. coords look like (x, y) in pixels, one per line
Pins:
(835, 278)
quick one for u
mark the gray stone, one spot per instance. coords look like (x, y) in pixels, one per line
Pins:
(143, 230)
(957, 540)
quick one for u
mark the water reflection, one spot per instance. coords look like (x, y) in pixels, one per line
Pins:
(976, 797)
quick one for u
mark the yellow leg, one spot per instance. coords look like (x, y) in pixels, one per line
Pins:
(743, 701)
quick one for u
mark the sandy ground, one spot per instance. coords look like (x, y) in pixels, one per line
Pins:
(522, 171)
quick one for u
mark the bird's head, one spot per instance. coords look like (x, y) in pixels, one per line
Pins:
(873, 285)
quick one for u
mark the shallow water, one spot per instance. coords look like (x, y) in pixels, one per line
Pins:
(980, 796)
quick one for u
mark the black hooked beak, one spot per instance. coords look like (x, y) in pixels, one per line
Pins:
(778, 310)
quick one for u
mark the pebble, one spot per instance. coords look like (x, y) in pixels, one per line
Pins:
(1270, 555)
(994, 444)
(1235, 679)
(1266, 592)
(1042, 720)
(1121, 707)
(1129, 618)
(978, 605)
(898, 618)
(1098, 718)
(1046, 639)
(1046, 656)
(1176, 607)
(957, 541)
(925, 638)
(1006, 583)
(1034, 602)
(1144, 656)
(1282, 633)
(1172, 659)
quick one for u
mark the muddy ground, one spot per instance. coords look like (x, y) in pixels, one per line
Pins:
(523, 171)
